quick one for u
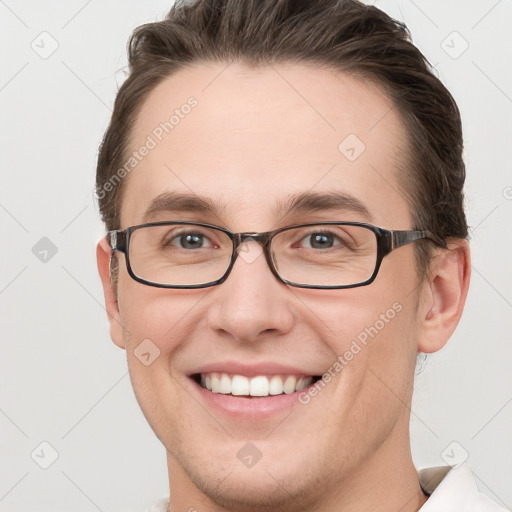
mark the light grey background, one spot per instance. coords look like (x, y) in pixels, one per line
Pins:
(63, 382)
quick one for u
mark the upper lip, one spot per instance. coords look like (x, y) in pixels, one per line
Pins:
(253, 370)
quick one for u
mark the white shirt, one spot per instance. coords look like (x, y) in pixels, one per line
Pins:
(454, 490)
(449, 490)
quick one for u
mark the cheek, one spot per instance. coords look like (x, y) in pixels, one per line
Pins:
(373, 335)
(156, 324)
(165, 317)
(358, 317)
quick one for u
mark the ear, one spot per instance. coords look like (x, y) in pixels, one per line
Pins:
(444, 296)
(103, 255)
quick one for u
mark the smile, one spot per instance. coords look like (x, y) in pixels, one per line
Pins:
(257, 386)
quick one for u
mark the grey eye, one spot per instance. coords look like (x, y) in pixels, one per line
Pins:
(189, 240)
(320, 240)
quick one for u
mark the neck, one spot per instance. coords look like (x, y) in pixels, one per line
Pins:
(387, 481)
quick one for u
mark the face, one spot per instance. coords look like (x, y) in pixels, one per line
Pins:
(256, 140)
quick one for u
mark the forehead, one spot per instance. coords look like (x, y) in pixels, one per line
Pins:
(249, 138)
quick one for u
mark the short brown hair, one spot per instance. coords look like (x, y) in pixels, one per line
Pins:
(345, 35)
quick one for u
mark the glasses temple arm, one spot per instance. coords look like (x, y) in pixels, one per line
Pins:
(117, 240)
(400, 238)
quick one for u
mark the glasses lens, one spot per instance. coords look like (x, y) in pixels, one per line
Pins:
(179, 255)
(325, 255)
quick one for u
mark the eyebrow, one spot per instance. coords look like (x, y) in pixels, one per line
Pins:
(180, 202)
(302, 203)
(314, 202)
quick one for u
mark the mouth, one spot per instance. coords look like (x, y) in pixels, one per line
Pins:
(258, 386)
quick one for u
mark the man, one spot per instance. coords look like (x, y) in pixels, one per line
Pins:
(282, 186)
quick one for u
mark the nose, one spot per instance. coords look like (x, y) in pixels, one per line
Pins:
(252, 304)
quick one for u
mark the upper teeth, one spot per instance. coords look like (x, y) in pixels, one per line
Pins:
(255, 386)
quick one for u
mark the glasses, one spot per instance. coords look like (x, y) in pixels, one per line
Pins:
(327, 255)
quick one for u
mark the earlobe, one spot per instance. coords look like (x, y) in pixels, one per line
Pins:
(444, 296)
(103, 255)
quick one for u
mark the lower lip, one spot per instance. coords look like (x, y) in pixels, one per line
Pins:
(248, 407)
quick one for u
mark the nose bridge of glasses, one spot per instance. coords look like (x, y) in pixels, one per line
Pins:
(240, 238)
(243, 248)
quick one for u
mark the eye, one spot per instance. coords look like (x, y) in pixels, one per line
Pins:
(188, 240)
(321, 240)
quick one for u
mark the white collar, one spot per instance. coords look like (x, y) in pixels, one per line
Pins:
(454, 489)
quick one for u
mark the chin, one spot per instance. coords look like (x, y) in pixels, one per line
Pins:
(255, 489)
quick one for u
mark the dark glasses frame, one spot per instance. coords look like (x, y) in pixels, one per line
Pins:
(387, 241)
